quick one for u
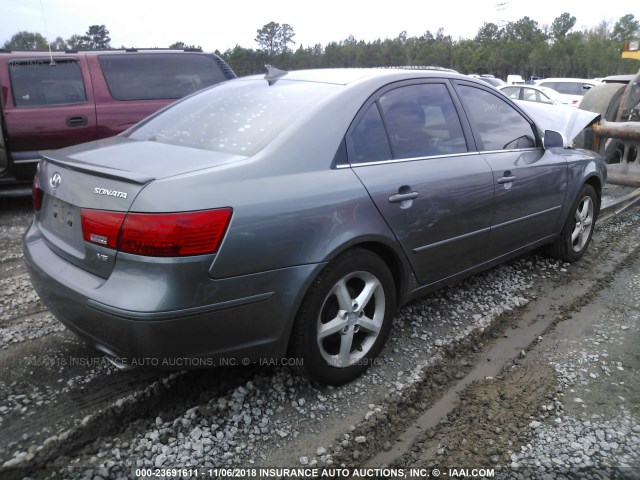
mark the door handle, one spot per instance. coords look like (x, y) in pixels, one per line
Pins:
(403, 197)
(508, 179)
(77, 121)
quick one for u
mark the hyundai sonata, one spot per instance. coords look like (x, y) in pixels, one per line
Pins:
(292, 213)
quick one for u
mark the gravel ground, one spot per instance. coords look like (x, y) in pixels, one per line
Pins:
(65, 413)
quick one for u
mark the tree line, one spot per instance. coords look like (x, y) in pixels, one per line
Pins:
(522, 47)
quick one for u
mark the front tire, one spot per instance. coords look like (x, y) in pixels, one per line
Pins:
(573, 241)
(345, 318)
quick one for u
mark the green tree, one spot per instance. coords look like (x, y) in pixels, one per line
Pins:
(245, 61)
(488, 33)
(275, 38)
(524, 30)
(98, 37)
(431, 50)
(562, 25)
(26, 41)
(183, 46)
(78, 42)
(626, 28)
(59, 44)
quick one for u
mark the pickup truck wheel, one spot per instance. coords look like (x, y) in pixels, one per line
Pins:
(345, 318)
(576, 234)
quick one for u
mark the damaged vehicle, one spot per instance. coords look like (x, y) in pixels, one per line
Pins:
(292, 213)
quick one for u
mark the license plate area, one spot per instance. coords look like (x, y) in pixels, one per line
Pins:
(62, 214)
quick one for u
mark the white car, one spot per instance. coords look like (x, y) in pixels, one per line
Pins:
(571, 90)
(532, 93)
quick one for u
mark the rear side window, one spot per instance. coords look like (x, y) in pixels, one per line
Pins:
(422, 121)
(369, 138)
(500, 126)
(41, 82)
(419, 121)
(154, 77)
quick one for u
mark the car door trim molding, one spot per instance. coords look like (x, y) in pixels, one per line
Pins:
(527, 217)
(452, 239)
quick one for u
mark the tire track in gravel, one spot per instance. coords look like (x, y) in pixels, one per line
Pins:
(91, 401)
(448, 434)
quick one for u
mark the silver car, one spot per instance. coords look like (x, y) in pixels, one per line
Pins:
(291, 214)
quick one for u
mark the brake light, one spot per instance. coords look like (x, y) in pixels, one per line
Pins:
(37, 193)
(101, 227)
(157, 234)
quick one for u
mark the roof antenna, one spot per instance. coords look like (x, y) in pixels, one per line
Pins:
(273, 74)
(46, 30)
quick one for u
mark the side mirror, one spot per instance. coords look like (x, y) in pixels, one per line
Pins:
(554, 139)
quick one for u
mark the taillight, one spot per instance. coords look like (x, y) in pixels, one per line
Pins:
(37, 193)
(157, 234)
(101, 227)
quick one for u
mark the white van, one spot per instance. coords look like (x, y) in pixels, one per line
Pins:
(515, 80)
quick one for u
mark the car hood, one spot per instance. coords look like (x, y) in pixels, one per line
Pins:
(569, 121)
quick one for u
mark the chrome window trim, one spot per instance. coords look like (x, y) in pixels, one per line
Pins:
(414, 159)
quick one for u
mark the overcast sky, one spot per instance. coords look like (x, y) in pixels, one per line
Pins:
(225, 24)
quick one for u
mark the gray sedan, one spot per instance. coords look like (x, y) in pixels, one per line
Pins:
(291, 214)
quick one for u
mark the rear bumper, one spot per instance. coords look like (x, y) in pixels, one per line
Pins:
(225, 321)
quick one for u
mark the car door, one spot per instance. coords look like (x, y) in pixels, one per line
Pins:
(409, 149)
(530, 182)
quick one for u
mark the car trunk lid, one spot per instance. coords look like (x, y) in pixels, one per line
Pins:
(103, 176)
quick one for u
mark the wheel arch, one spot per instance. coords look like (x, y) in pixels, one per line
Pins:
(595, 182)
(392, 257)
(389, 254)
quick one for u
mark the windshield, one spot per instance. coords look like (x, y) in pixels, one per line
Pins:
(239, 117)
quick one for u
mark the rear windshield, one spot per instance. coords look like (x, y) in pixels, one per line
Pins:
(44, 82)
(152, 76)
(239, 117)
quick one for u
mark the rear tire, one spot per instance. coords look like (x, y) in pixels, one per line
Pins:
(576, 234)
(345, 318)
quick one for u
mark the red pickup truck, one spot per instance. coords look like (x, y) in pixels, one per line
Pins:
(51, 101)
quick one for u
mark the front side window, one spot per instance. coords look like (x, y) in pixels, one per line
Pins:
(500, 126)
(158, 76)
(41, 82)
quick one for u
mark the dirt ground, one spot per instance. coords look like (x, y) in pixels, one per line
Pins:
(502, 371)
(581, 377)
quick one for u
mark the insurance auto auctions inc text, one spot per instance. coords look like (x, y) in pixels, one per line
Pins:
(410, 473)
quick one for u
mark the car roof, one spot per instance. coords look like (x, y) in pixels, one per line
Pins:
(618, 78)
(567, 80)
(59, 53)
(344, 76)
